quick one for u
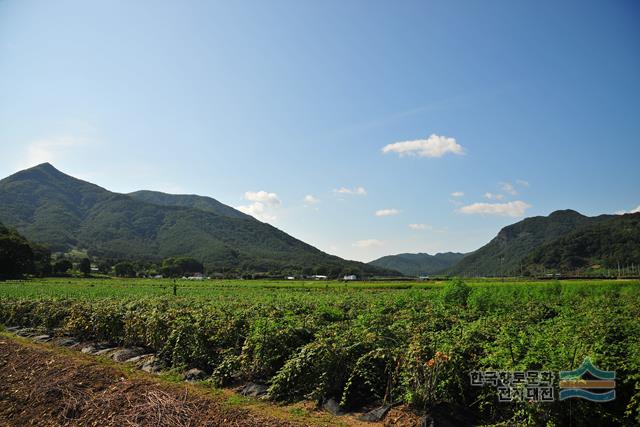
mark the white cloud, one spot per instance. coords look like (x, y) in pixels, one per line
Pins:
(387, 212)
(258, 211)
(358, 191)
(262, 197)
(512, 209)
(635, 210)
(508, 188)
(457, 194)
(434, 146)
(264, 205)
(50, 149)
(420, 227)
(522, 182)
(456, 202)
(367, 243)
(493, 196)
(310, 199)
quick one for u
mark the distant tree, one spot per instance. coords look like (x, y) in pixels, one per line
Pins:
(16, 256)
(62, 266)
(125, 269)
(179, 266)
(41, 260)
(104, 266)
(85, 266)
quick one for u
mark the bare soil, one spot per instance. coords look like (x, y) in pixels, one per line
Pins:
(43, 387)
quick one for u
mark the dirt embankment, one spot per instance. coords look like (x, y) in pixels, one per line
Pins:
(43, 387)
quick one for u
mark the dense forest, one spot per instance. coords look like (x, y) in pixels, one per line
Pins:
(565, 242)
(19, 257)
(612, 244)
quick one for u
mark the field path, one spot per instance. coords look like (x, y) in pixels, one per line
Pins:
(46, 386)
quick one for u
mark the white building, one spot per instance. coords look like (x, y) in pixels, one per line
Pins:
(350, 277)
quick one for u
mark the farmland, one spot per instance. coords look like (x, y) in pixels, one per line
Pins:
(362, 343)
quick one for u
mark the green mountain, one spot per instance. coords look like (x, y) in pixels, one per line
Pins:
(188, 200)
(512, 251)
(609, 243)
(65, 213)
(418, 264)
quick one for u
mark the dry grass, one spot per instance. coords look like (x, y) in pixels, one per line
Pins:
(41, 387)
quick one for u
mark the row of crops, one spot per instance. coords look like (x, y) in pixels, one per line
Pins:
(367, 345)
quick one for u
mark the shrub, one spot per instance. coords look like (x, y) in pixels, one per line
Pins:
(456, 292)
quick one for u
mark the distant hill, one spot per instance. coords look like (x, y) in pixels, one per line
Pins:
(65, 213)
(538, 240)
(203, 203)
(418, 264)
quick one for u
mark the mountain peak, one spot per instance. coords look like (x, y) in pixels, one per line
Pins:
(46, 167)
(565, 213)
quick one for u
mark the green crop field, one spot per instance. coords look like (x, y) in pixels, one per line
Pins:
(363, 343)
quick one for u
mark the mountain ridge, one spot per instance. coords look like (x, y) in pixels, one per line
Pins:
(204, 203)
(50, 207)
(511, 251)
(418, 264)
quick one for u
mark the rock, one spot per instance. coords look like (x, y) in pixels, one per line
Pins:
(195, 374)
(66, 342)
(332, 406)
(26, 332)
(151, 366)
(254, 390)
(376, 414)
(42, 338)
(94, 348)
(105, 351)
(138, 359)
(90, 349)
(126, 354)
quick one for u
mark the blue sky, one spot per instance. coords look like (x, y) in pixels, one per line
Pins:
(261, 104)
